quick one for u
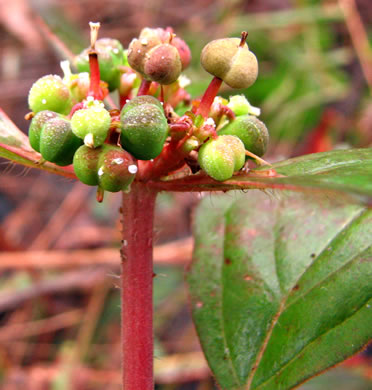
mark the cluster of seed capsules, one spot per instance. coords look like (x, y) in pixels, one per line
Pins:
(71, 125)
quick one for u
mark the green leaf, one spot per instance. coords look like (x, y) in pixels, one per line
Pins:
(14, 146)
(11, 135)
(280, 288)
(345, 171)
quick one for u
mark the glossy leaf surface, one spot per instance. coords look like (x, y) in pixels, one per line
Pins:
(280, 289)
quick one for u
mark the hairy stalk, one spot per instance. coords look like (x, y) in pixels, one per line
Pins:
(136, 291)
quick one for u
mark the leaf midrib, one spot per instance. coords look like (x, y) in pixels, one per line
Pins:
(282, 306)
(312, 342)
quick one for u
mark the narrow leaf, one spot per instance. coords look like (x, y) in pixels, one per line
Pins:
(280, 289)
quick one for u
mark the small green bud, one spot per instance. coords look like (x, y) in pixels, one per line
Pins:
(91, 124)
(230, 61)
(79, 86)
(241, 106)
(37, 124)
(50, 93)
(58, 143)
(221, 157)
(144, 127)
(251, 131)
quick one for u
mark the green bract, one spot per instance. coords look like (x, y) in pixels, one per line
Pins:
(110, 57)
(91, 124)
(50, 93)
(234, 64)
(110, 167)
(221, 157)
(251, 131)
(57, 142)
(144, 127)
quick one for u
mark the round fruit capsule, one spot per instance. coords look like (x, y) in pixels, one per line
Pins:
(110, 167)
(163, 64)
(91, 124)
(144, 127)
(216, 160)
(58, 143)
(85, 164)
(221, 157)
(50, 93)
(116, 169)
(138, 48)
(183, 50)
(37, 124)
(158, 56)
(231, 61)
(251, 131)
(237, 146)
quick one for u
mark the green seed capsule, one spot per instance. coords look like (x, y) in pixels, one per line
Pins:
(110, 167)
(37, 124)
(144, 127)
(50, 93)
(251, 131)
(117, 169)
(92, 125)
(58, 143)
(237, 146)
(85, 164)
(221, 157)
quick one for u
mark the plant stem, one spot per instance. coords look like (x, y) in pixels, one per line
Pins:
(208, 97)
(144, 87)
(136, 290)
(94, 88)
(94, 73)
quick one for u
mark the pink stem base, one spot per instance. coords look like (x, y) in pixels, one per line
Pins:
(136, 292)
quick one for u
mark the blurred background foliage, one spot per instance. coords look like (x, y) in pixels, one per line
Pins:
(59, 302)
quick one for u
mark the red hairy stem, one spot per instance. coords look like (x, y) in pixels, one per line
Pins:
(208, 97)
(94, 87)
(136, 290)
(170, 159)
(144, 87)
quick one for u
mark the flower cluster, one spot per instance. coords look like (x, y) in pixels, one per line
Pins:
(157, 129)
